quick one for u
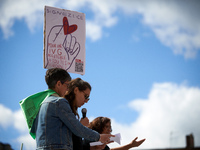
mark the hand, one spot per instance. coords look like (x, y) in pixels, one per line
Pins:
(84, 121)
(62, 47)
(105, 138)
(135, 143)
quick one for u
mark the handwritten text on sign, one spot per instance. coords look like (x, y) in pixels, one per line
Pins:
(64, 40)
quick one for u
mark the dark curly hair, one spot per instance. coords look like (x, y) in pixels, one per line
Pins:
(54, 75)
(70, 96)
(99, 123)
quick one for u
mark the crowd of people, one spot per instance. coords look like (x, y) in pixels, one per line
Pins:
(54, 120)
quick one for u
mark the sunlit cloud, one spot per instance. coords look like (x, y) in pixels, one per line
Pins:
(12, 119)
(29, 11)
(16, 119)
(169, 113)
(176, 24)
(93, 30)
(166, 116)
(6, 116)
(27, 141)
(19, 122)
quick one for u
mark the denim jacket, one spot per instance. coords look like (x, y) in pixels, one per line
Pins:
(55, 124)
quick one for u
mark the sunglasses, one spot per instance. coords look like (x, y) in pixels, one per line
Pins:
(86, 96)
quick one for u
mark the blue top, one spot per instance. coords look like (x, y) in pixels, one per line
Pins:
(55, 123)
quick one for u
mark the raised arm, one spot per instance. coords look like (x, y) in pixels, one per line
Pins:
(133, 143)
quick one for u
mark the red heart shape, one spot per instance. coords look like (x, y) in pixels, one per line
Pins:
(68, 29)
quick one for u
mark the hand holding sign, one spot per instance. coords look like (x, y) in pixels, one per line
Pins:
(60, 40)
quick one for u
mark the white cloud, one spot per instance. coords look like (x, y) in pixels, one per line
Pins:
(19, 122)
(169, 113)
(28, 142)
(10, 118)
(93, 30)
(16, 119)
(31, 11)
(175, 23)
(6, 116)
(166, 116)
(103, 15)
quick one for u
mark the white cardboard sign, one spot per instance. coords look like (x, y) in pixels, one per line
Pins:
(64, 40)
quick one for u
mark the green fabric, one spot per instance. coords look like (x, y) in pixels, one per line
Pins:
(31, 105)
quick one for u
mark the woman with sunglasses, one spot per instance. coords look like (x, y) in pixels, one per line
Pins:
(103, 126)
(77, 95)
(58, 119)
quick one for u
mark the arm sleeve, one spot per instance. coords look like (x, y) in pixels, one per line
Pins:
(69, 119)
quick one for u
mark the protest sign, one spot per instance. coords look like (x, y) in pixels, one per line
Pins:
(64, 40)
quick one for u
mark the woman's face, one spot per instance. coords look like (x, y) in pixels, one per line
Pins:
(107, 128)
(81, 97)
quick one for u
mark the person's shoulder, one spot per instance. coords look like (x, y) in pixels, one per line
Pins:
(61, 100)
(55, 99)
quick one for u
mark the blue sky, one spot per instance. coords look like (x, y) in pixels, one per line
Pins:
(142, 60)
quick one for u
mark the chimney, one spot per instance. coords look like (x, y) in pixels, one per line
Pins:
(189, 141)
